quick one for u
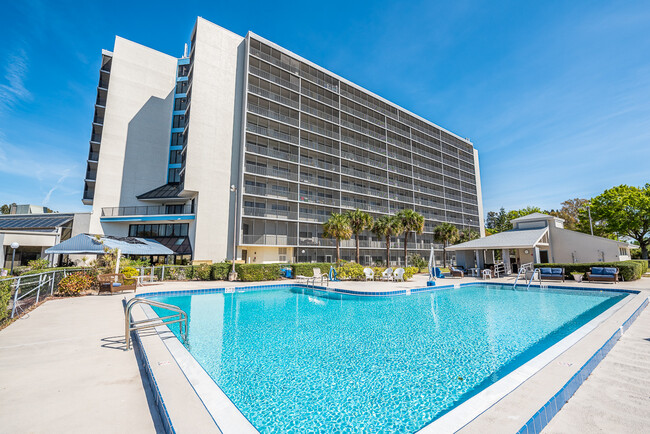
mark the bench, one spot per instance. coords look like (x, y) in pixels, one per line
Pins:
(603, 274)
(546, 273)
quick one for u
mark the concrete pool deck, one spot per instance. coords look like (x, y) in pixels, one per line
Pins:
(62, 369)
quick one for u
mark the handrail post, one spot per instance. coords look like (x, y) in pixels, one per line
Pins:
(52, 283)
(162, 275)
(13, 308)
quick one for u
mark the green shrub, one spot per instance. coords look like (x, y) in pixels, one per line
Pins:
(258, 272)
(5, 296)
(350, 271)
(410, 271)
(203, 272)
(220, 270)
(129, 274)
(307, 268)
(644, 265)
(627, 270)
(38, 264)
(417, 261)
(76, 283)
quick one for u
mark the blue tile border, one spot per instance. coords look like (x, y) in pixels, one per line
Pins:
(142, 358)
(537, 423)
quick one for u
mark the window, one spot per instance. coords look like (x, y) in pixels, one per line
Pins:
(180, 103)
(177, 139)
(179, 121)
(183, 70)
(175, 157)
(181, 87)
(162, 230)
(174, 175)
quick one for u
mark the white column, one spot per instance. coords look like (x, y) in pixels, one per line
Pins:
(536, 255)
(505, 254)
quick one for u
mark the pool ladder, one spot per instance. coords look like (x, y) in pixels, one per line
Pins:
(179, 316)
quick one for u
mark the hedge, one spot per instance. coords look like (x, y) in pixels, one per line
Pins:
(257, 272)
(627, 270)
(5, 296)
(644, 264)
(307, 269)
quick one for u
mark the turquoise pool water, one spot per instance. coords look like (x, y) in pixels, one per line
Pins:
(298, 360)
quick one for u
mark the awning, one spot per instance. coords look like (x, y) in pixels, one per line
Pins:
(514, 239)
(94, 245)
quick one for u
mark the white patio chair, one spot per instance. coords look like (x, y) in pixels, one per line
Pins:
(387, 274)
(487, 274)
(370, 275)
(319, 275)
(399, 275)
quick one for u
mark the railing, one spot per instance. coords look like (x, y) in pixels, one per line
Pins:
(319, 147)
(320, 200)
(319, 97)
(266, 171)
(313, 162)
(361, 129)
(270, 192)
(147, 210)
(272, 114)
(179, 316)
(365, 145)
(321, 114)
(314, 217)
(271, 152)
(93, 156)
(280, 240)
(27, 290)
(317, 242)
(91, 174)
(522, 272)
(265, 131)
(273, 96)
(274, 78)
(364, 175)
(306, 125)
(270, 213)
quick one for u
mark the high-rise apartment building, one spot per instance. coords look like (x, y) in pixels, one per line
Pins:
(171, 136)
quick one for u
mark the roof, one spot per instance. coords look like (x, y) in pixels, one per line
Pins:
(167, 191)
(34, 221)
(180, 245)
(513, 239)
(535, 216)
(94, 245)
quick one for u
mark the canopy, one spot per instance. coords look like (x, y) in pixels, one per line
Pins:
(94, 245)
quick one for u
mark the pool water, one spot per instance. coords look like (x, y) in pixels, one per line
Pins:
(299, 360)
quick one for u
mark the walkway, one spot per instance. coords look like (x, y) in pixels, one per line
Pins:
(62, 369)
(616, 397)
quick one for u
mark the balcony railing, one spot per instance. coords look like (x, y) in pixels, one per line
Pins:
(270, 192)
(318, 181)
(319, 147)
(274, 78)
(317, 242)
(258, 129)
(313, 217)
(364, 175)
(320, 200)
(312, 162)
(273, 96)
(93, 156)
(91, 174)
(270, 213)
(272, 114)
(266, 171)
(271, 152)
(279, 240)
(147, 210)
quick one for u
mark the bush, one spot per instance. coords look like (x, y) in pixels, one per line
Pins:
(410, 271)
(307, 269)
(76, 283)
(5, 296)
(417, 261)
(644, 265)
(220, 270)
(258, 272)
(203, 272)
(129, 274)
(627, 270)
(350, 271)
(38, 264)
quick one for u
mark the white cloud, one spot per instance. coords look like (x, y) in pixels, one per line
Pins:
(13, 90)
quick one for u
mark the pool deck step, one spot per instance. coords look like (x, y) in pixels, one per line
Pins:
(616, 396)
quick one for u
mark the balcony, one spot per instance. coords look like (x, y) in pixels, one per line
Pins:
(319, 200)
(317, 242)
(162, 210)
(271, 192)
(269, 240)
(250, 211)
(93, 156)
(271, 152)
(266, 171)
(91, 175)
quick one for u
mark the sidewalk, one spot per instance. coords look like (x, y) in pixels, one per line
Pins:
(63, 369)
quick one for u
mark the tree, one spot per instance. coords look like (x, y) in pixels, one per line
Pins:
(412, 221)
(570, 212)
(625, 211)
(498, 222)
(387, 227)
(359, 222)
(468, 235)
(521, 213)
(445, 233)
(337, 227)
(6, 208)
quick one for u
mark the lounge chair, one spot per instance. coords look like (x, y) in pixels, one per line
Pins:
(319, 275)
(603, 274)
(387, 274)
(456, 272)
(399, 275)
(115, 283)
(370, 275)
(546, 273)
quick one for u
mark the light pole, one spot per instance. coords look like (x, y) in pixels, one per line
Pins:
(591, 226)
(233, 274)
(14, 246)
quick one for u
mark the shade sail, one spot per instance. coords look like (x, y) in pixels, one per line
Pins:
(91, 244)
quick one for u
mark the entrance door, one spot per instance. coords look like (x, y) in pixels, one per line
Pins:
(543, 256)
(244, 256)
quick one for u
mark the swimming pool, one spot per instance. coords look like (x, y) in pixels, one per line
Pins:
(295, 359)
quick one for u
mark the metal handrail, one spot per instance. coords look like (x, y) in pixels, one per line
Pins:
(539, 275)
(129, 325)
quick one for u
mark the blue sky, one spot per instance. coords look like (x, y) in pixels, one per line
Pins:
(555, 95)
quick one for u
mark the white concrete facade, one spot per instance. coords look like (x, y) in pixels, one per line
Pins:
(172, 135)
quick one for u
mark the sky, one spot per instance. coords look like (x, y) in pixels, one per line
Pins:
(555, 95)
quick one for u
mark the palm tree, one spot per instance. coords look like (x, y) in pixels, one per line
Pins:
(467, 235)
(412, 221)
(337, 227)
(445, 233)
(359, 222)
(387, 227)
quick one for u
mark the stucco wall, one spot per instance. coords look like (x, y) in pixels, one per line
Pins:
(214, 136)
(585, 247)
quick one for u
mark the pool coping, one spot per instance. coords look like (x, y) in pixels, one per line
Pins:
(228, 418)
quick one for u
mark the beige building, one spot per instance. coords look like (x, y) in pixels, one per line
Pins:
(538, 238)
